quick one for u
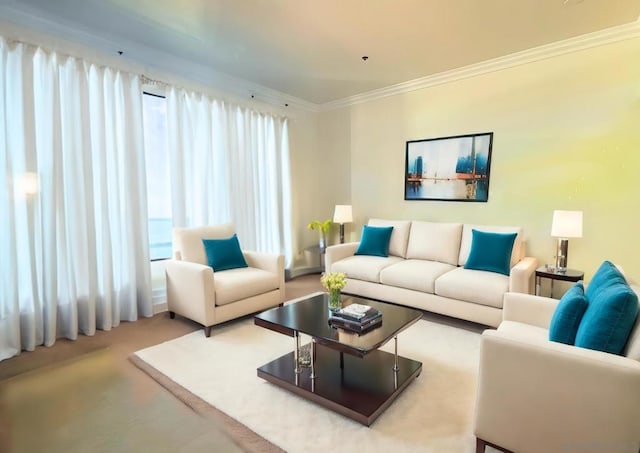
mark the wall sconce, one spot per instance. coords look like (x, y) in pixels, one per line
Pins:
(342, 215)
(565, 224)
(29, 183)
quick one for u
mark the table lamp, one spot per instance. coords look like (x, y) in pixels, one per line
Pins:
(565, 224)
(342, 215)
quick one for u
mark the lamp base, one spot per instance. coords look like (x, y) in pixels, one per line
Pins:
(561, 254)
(342, 233)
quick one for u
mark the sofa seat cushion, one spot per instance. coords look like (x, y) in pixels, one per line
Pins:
(418, 275)
(364, 267)
(480, 287)
(524, 332)
(237, 284)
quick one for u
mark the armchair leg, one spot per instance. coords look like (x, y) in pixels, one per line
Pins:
(172, 315)
(207, 331)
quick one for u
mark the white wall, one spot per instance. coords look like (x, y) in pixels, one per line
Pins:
(566, 136)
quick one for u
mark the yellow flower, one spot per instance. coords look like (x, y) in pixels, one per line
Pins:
(333, 280)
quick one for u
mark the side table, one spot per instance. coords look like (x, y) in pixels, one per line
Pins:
(567, 275)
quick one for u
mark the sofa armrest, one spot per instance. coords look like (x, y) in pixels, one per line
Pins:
(545, 396)
(338, 252)
(528, 309)
(190, 290)
(522, 276)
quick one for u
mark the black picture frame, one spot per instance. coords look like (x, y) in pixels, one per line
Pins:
(455, 168)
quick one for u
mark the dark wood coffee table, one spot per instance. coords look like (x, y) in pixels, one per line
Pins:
(360, 384)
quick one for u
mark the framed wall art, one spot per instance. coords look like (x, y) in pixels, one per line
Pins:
(448, 168)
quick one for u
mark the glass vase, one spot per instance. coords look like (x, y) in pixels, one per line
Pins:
(334, 300)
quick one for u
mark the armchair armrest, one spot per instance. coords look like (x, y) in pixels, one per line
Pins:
(528, 309)
(190, 290)
(551, 397)
(521, 277)
(270, 262)
(338, 252)
(266, 261)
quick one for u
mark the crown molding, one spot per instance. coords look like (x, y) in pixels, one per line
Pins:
(141, 58)
(595, 39)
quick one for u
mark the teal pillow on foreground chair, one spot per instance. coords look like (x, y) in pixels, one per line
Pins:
(569, 312)
(611, 312)
(375, 241)
(490, 251)
(224, 254)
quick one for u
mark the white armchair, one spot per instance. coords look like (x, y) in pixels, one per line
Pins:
(196, 292)
(535, 395)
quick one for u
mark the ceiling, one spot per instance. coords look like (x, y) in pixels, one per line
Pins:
(312, 49)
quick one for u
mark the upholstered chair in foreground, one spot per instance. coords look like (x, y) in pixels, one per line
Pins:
(536, 395)
(197, 292)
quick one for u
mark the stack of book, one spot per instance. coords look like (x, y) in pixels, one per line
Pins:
(357, 318)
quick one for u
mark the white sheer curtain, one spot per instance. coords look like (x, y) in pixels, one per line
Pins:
(230, 164)
(74, 256)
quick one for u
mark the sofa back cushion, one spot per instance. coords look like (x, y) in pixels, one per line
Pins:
(435, 241)
(399, 235)
(517, 253)
(187, 242)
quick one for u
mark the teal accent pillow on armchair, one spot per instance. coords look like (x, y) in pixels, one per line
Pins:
(490, 251)
(224, 254)
(611, 313)
(375, 241)
(569, 312)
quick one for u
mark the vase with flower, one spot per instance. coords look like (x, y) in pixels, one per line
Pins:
(334, 282)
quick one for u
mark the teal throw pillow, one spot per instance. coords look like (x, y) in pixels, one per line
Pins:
(566, 319)
(490, 251)
(224, 254)
(375, 241)
(606, 275)
(609, 318)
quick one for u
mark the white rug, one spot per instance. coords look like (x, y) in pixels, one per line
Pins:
(434, 414)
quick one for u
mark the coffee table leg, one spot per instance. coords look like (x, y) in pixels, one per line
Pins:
(313, 358)
(396, 368)
(296, 353)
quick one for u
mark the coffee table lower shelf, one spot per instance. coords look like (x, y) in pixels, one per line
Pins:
(361, 390)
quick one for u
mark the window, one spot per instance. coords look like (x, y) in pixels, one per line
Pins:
(158, 179)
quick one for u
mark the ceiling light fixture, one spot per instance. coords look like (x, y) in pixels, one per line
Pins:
(365, 58)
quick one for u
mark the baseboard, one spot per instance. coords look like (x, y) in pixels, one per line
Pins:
(159, 300)
(299, 271)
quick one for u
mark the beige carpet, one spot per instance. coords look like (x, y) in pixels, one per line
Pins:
(434, 414)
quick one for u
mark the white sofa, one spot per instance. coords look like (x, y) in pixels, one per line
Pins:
(425, 270)
(535, 395)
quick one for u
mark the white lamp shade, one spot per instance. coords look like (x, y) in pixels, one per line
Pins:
(567, 224)
(342, 214)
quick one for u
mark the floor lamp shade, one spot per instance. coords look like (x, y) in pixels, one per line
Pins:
(342, 214)
(565, 224)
